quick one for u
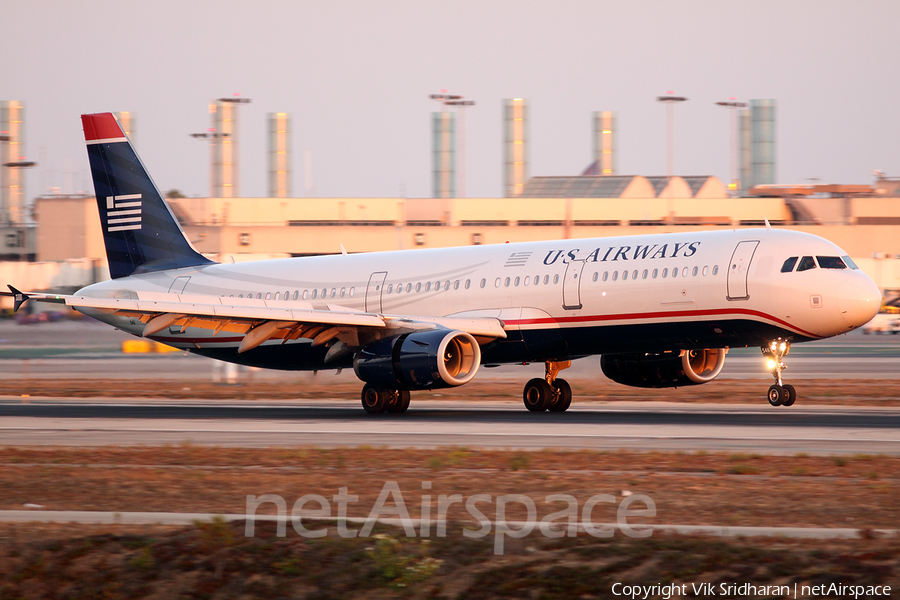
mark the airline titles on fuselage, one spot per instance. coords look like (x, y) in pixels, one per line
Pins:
(622, 253)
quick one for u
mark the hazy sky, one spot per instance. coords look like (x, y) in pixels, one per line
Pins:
(356, 76)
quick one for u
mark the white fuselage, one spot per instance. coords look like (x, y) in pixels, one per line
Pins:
(556, 299)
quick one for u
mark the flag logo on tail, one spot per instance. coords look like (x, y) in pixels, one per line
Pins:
(123, 212)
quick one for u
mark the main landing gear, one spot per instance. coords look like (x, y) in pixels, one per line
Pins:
(549, 393)
(779, 394)
(376, 399)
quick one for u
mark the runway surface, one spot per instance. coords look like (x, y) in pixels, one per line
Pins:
(602, 426)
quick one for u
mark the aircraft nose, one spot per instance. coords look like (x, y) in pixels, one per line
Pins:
(859, 300)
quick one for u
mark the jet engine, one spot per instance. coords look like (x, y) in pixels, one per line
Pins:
(423, 359)
(665, 369)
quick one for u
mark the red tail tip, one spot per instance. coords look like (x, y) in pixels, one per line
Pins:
(101, 126)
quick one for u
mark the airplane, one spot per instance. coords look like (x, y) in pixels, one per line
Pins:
(661, 310)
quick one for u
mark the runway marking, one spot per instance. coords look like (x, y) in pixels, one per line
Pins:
(458, 434)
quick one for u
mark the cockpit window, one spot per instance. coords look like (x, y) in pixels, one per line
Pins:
(849, 262)
(831, 262)
(788, 265)
(806, 263)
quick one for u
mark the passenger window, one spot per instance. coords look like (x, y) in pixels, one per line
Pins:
(655, 273)
(517, 282)
(684, 272)
(537, 279)
(594, 277)
(333, 292)
(675, 272)
(830, 262)
(634, 274)
(694, 272)
(556, 279)
(665, 272)
(624, 275)
(506, 283)
(315, 293)
(644, 274)
(497, 282)
(605, 275)
(456, 284)
(427, 286)
(615, 275)
(277, 296)
(259, 296)
(806, 263)
(788, 265)
(467, 283)
(343, 291)
(483, 283)
(437, 286)
(268, 295)
(705, 270)
(715, 269)
(305, 294)
(546, 279)
(353, 289)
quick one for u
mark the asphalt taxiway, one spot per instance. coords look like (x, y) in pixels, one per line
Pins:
(589, 425)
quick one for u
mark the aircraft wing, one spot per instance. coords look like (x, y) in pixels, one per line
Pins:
(263, 320)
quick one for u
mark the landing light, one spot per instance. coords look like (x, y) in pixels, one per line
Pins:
(771, 363)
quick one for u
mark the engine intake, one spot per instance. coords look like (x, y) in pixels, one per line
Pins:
(424, 359)
(666, 369)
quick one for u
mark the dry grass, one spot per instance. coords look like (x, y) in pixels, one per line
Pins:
(704, 489)
(215, 561)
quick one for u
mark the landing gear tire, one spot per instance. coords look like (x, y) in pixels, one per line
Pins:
(563, 391)
(776, 395)
(790, 395)
(374, 398)
(399, 401)
(537, 395)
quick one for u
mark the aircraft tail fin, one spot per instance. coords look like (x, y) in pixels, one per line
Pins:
(139, 230)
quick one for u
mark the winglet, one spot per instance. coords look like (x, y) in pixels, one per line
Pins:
(18, 298)
(768, 225)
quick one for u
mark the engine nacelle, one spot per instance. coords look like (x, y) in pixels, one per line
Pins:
(423, 359)
(666, 369)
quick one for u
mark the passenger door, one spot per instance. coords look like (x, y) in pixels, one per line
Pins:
(739, 269)
(374, 291)
(572, 285)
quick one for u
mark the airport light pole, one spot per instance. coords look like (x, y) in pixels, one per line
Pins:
(213, 136)
(462, 141)
(732, 105)
(670, 101)
(456, 100)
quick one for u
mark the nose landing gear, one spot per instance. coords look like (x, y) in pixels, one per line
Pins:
(779, 394)
(549, 393)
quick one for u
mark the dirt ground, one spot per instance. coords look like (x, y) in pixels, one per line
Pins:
(867, 392)
(699, 489)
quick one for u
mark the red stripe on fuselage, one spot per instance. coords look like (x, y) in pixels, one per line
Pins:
(101, 126)
(662, 315)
